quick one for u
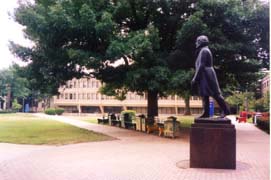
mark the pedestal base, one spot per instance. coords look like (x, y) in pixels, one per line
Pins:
(213, 144)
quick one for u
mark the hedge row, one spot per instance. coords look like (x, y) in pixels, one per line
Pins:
(54, 111)
(7, 111)
(264, 125)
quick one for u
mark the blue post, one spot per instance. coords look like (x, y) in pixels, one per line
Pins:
(26, 108)
(212, 109)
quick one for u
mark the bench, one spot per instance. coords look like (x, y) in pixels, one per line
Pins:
(242, 117)
(114, 120)
(103, 120)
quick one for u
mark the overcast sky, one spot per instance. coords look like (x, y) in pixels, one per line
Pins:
(11, 31)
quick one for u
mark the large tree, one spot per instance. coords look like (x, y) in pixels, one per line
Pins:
(72, 36)
(132, 45)
(238, 33)
(236, 45)
(13, 85)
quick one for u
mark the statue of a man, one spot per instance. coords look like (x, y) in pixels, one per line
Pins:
(206, 79)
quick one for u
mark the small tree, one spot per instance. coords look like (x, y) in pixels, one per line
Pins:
(240, 100)
(16, 106)
(262, 104)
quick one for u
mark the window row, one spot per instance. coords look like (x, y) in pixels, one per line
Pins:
(83, 84)
(96, 96)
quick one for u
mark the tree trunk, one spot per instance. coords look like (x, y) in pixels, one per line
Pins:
(152, 104)
(8, 98)
(187, 105)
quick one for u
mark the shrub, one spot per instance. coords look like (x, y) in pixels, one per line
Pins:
(130, 114)
(50, 111)
(264, 125)
(59, 111)
(6, 111)
(16, 106)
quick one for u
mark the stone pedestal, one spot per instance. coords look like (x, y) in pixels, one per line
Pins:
(213, 144)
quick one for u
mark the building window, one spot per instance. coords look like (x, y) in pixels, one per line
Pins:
(179, 98)
(70, 96)
(97, 96)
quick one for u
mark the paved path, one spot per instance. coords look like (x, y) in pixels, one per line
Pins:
(134, 156)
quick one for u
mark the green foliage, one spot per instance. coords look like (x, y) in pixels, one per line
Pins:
(130, 113)
(54, 111)
(19, 85)
(235, 50)
(50, 111)
(263, 103)
(239, 100)
(59, 111)
(6, 111)
(264, 125)
(16, 106)
(153, 39)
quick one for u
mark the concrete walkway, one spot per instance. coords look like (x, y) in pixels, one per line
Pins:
(134, 156)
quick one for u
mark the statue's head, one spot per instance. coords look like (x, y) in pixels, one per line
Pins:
(202, 41)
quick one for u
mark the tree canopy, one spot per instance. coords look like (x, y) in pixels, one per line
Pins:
(10, 77)
(140, 46)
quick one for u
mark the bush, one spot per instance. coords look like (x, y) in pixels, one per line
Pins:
(130, 114)
(264, 125)
(6, 111)
(59, 111)
(50, 111)
(16, 106)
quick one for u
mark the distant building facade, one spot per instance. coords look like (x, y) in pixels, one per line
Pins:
(265, 84)
(82, 96)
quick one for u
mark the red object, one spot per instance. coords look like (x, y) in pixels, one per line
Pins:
(243, 117)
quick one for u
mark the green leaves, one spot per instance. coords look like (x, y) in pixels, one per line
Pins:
(87, 16)
(105, 27)
(152, 79)
(154, 39)
(11, 77)
(227, 24)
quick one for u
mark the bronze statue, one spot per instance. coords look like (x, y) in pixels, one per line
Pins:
(205, 78)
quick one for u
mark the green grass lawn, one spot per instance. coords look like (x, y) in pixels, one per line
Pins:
(28, 129)
(86, 118)
(186, 121)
